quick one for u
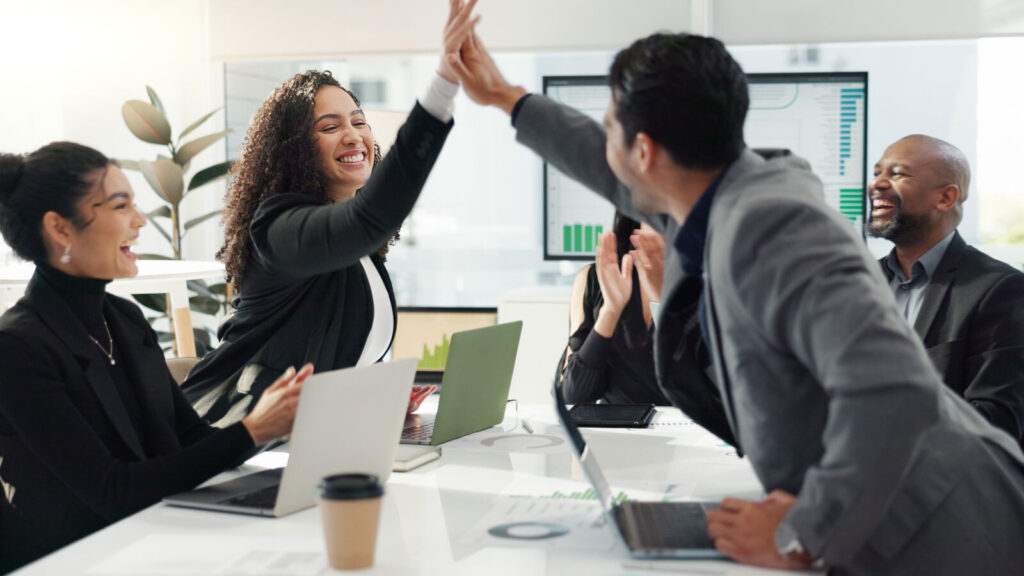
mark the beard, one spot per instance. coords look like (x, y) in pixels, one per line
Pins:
(901, 228)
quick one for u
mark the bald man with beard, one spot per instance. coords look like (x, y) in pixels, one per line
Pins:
(967, 307)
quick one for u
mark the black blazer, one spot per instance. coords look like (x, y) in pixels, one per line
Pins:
(972, 323)
(71, 461)
(304, 296)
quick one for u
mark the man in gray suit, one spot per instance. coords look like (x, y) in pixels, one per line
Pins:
(967, 308)
(824, 385)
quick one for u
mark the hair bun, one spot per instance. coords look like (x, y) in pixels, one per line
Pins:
(11, 168)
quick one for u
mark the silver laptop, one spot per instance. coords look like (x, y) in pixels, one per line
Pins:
(367, 403)
(648, 529)
(475, 386)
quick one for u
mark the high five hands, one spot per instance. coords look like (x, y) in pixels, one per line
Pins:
(457, 31)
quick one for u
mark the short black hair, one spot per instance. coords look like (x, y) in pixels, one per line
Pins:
(54, 178)
(687, 93)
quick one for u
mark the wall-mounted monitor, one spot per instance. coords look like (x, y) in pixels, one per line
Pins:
(821, 117)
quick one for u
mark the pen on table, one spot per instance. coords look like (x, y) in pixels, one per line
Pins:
(526, 426)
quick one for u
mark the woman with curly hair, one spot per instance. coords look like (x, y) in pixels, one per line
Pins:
(309, 215)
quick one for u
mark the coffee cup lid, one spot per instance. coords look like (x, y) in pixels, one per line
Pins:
(350, 487)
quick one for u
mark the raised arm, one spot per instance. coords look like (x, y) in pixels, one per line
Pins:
(569, 140)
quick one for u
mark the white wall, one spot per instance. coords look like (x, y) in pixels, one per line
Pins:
(271, 29)
(815, 21)
(68, 66)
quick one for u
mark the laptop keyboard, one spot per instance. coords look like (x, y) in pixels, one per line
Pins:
(667, 525)
(420, 432)
(264, 498)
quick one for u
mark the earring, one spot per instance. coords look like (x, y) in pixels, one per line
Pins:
(66, 257)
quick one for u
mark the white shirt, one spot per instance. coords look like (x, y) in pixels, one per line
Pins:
(439, 101)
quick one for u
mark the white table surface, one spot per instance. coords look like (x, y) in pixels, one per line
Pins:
(435, 519)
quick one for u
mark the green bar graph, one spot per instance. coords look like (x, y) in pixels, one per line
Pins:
(436, 359)
(581, 238)
(587, 494)
(851, 202)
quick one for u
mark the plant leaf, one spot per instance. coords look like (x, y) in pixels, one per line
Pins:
(162, 232)
(155, 302)
(199, 287)
(146, 122)
(202, 340)
(166, 179)
(197, 123)
(129, 164)
(155, 100)
(207, 175)
(204, 304)
(164, 337)
(154, 257)
(220, 289)
(197, 221)
(161, 212)
(189, 149)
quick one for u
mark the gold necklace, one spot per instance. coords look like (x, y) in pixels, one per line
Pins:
(110, 339)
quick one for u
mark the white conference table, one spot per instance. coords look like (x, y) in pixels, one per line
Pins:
(442, 518)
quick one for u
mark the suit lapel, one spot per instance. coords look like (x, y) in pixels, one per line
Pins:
(62, 321)
(939, 286)
(139, 353)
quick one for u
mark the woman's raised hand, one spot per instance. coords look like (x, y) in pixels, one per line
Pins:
(274, 413)
(457, 30)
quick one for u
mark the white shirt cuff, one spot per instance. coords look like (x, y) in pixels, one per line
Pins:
(439, 98)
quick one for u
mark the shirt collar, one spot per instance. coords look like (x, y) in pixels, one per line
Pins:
(929, 261)
(693, 234)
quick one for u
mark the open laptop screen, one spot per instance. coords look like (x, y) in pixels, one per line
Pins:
(425, 333)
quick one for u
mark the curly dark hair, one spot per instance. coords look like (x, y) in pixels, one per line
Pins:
(278, 156)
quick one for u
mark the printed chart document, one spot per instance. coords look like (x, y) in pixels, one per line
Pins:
(222, 556)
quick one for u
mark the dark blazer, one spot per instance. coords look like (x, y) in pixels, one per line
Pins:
(71, 461)
(972, 324)
(304, 295)
(824, 384)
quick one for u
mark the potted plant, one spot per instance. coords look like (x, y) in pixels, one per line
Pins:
(166, 175)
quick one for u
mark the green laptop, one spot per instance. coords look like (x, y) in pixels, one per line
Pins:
(474, 388)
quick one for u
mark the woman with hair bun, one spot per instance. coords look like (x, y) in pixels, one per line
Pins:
(92, 425)
(309, 215)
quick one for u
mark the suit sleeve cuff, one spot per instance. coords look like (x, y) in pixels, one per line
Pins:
(518, 107)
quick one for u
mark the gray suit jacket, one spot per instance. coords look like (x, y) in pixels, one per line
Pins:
(825, 386)
(972, 324)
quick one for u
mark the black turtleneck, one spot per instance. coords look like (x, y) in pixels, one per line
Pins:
(86, 297)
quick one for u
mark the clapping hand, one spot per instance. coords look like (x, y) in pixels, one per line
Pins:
(649, 258)
(616, 283)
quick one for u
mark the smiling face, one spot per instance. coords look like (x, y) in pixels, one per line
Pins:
(102, 247)
(344, 142)
(907, 193)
